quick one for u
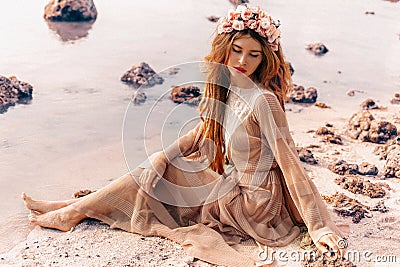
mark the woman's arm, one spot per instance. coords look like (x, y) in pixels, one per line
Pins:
(273, 125)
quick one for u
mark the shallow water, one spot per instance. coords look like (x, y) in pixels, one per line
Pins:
(69, 137)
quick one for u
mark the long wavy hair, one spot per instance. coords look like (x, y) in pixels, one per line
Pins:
(272, 74)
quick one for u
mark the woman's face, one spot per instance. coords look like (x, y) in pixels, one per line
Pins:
(245, 56)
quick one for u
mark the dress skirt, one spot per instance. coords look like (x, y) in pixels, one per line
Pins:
(226, 229)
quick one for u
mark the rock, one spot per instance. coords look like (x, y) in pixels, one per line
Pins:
(213, 18)
(341, 167)
(370, 12)
(142, 75)
(291, 69)
(329, 135)
(382, 150)
(299, 95)
(306, 155)
(381, 131)
(392, 166)
(318, 49)
(82, 193)
(13, 91)
(186, 94)
(352, 92)
(380, 206)
(321, 105)
(369, 104)
(70, 10)
(238, 2)
(347, 206)
(395, 99)
(358, 185)
(367, 169)
(139, 97)
(363, 126)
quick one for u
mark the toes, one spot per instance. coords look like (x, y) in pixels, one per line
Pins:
(32, 217)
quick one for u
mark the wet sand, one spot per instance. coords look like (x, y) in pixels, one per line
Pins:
(69, 137)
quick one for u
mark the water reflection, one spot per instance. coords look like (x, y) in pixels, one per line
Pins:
(70, 31)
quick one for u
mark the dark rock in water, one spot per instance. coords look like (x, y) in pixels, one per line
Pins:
(347, 206)
(70, 10)
(363, 126)
(367, 169)
(186, 94)
(369, 12)
(300, 95)
(291, 69)
(395, 99)
(238, 2)
(213, 18)
(342, 167)
(358, 185)
(82, 193)
(392, 166)
(13, 91)
(139, 97)
(369, 104)
(318, 49)
(306, 155)
(142, 74)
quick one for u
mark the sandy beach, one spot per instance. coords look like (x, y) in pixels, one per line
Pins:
(69, 137)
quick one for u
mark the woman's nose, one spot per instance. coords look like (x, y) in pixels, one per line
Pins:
(242, 59)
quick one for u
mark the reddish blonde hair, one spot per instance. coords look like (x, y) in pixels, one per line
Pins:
(272, 74)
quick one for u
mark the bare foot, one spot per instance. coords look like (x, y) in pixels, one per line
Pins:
(62, 219)
(42, 206)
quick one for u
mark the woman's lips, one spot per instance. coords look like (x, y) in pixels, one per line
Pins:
(242, 70)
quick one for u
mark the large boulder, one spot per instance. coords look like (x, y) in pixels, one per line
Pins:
(70, 10)
(13, 91)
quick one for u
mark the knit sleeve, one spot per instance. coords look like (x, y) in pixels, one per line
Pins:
(274, 128)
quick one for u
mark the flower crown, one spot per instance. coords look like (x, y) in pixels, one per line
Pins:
(253, 18)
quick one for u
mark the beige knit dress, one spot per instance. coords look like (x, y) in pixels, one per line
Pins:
(261, 198)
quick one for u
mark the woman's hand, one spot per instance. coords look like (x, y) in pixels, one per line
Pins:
(331, 243)
(152, 171)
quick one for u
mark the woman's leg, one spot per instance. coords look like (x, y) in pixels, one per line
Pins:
(62, 219)
(42, 206)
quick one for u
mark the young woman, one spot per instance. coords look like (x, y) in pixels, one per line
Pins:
(254, 190)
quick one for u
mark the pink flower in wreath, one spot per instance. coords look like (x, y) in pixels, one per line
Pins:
(238, 25)
(251, 24)
(246, 14)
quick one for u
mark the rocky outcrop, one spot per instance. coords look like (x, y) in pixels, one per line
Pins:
(142, 75)
(13, 91)
(299, 95)
(358, 185)
(363, 126)
(186, 94)
(342, 167)
(392, 166)
(70, 10)
(318, 49)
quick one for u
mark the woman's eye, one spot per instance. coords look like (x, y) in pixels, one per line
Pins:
(253, 55)
(235, 50)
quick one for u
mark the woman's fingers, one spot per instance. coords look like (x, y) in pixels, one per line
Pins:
(148, 179)
(332, 242)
